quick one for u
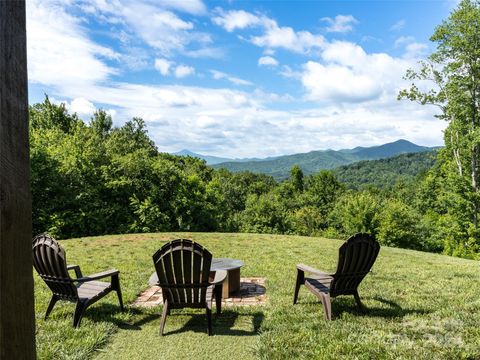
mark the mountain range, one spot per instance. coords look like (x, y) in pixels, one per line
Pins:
(313, 161)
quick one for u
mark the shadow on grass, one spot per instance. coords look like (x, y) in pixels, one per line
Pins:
(222, 325)
(392, 310)
(112, 313)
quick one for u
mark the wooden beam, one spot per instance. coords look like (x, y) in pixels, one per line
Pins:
(17, 317)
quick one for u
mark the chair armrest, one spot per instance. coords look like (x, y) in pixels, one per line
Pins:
(220, 275)
(78, 272)
(309, 269)
(100, 275)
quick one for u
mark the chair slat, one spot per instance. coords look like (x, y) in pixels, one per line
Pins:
(183, 269)
(187, 274)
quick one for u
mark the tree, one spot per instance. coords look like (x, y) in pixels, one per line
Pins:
(296, 177)
(356, 212)
(454, 71)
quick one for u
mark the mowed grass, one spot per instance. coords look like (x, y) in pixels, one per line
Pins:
(420, 305)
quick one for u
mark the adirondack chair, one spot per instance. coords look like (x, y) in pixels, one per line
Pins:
(183, 269)
(50, 262)
(356, 257)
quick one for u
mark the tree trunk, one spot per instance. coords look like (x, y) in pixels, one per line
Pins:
(17, 318)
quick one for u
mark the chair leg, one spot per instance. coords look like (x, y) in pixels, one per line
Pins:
(116, 287)
(165, 311)
(299, 282)
(209, 320)
(218, 298)
(79, 310)
(52, 303)
(327, 306)
(360, 306)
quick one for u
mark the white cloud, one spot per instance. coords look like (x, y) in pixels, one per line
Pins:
(201, 119)
(412, 48)
(182, 71)
(287, 38)
(81, 106)
(234, 80)
(163, 66)
(206, 52)
(196, 7)
(415, 50)
(274, 36)
(154, 23)
(341, 23)
(349, 74)
(267, 61)
(399, 25)
(361, 111)
(59, 52)
(236, 19)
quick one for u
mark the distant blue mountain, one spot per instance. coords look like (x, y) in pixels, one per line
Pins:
(213, 160)
(315, 161)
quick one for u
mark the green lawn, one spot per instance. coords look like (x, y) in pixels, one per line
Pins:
(421, 306)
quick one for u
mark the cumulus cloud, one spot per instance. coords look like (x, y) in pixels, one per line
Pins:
(236, 19)
(413, 49)
(163, 66)
(154, 22)
(59, 52)
(234, 80)
(349, 74)
(274, 36)
(340, 24)
(351, 93)
(81, 106)
(267, 61)
(185, 117)
(182, 71)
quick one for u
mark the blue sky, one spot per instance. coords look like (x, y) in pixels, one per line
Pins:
(239, 78)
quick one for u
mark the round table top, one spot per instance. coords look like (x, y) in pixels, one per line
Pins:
(226, 264)
(217, 264)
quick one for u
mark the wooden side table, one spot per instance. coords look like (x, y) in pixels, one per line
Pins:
(231, 282)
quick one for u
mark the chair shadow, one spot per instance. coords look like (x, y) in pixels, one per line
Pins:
(108, 312)
(222, 325)
(343, 304)
(392, 311)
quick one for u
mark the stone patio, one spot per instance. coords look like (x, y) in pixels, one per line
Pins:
(252, 292)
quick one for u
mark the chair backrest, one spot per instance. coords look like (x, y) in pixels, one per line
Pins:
(50, 261)
(183, 269)
(356, 257)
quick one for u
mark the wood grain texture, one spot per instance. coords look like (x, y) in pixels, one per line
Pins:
(17, 319)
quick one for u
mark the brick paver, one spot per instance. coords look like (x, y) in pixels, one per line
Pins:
(252, 292)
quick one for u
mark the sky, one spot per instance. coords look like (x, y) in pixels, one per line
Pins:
(239, 78)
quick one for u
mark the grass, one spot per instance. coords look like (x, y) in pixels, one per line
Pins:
(420, 306)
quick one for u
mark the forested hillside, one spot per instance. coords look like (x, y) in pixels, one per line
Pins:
(385, 173)
(315, 161)
(93, 179)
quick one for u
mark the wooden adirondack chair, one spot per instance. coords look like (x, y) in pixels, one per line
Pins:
(356, 257)
(183, 269)
(50, 261)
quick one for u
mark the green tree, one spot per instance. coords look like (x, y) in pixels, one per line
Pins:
(296, 177)
(321, 191)
(399, 225)
(454, 70)
(356, 212)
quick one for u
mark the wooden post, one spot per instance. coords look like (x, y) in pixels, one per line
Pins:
(17, 317)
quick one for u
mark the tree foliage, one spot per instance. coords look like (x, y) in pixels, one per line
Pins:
(453, 72)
